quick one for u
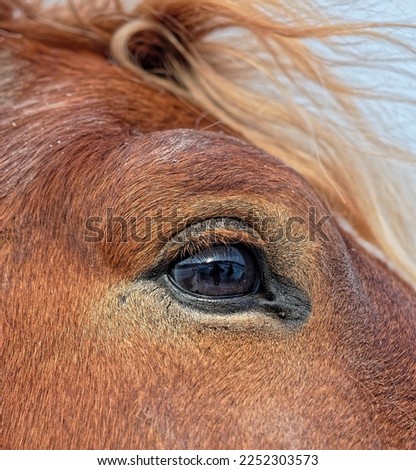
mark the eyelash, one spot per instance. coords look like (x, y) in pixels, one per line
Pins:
(187, 243)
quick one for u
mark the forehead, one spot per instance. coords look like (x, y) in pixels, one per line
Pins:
(80, 119)
(205, 163)
(43, 79)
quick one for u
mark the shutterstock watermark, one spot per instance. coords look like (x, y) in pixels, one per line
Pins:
(163, 226)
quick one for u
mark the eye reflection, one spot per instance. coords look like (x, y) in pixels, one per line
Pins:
(219, 271)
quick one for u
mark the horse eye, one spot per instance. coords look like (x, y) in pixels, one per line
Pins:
(219, 271)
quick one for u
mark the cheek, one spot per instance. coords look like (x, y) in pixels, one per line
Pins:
(150, 374)
(182, 379)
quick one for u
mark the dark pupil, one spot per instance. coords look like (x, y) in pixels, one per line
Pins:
(220, 271)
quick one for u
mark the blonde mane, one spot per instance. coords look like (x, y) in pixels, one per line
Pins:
(276, 72)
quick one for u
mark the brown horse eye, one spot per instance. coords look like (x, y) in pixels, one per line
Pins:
(219, 271)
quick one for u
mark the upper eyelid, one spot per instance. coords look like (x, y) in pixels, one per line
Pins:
(225, 231)
(225, 236)
(205, 234)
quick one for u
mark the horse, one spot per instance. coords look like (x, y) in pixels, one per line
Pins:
(204, 241)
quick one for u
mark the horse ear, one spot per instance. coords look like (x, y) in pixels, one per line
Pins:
(158, 45)
(152, 50)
